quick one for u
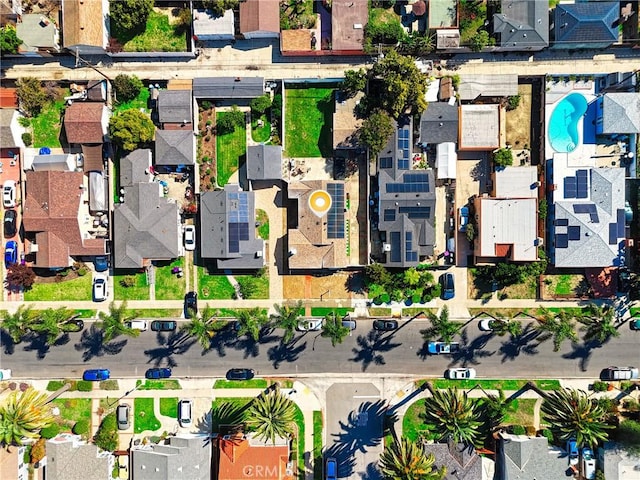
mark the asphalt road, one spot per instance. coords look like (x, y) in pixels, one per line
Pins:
(366, 352)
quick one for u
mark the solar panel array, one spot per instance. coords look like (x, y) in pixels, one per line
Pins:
(410, 255)
(411, 183)
(589, 208)
(574, 232)
(396, 255)
(577, 186)
(562, 240)
(416, 212)
(389, 215)
(238, 219)
(335, 217)
(403, 149)
(386, 162)
(616, 230)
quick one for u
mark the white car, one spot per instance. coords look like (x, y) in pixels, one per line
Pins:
(5, 373)
(9, 194)
(460, 373)
(485, 325)
(189, 237)
(137, 325)
(312, 325)
(100, 289)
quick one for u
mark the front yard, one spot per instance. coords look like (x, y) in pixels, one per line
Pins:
(308, 122)
(213, 287)
(130, 285)
(144, 416)
(168, 285)
(77, 289)
(565, 285)
(231, 149)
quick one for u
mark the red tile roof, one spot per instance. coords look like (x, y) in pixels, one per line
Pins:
(83, 122)
(8, 98)
(241, 458)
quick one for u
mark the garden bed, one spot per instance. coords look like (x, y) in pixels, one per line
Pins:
(206, 146)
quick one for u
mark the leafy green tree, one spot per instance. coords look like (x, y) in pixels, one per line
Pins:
(251, 322)
(628, 433)
(599, 323)
(407, 460)
(113, 324)
(503, 157)
(131, 129)
(228, 121)
(53, 323)
(227, 416)
(9, 41)
(354, 81)
(130, 14)
(411, 277)
(441, 327)
(218, 7)
(287, 318)
(17, 324)
(203, 327)
(471, 232)
(127, 87)
(31, 95)
(375, 131)
(558, 327)
(377, 273)
(260, 104)
(451, 414)
(571, 413)
(480, 40)
(332, 328)
(271, 415)
(23, 415)
(107, 435)
(385, 30)
(417, 43)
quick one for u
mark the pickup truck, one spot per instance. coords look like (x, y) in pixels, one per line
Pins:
(441, 348)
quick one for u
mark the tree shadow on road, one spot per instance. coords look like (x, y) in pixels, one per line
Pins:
(526, 343)
(470, 352)
(38, 343)
(285, 352)
(582, 351)
(93, 346)
(7, 342)
(371, 348)
(250, 346)
(176, 343)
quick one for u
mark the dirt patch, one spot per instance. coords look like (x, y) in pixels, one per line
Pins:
(519, 120)
(207, 147)
(565, 286)
(307, 287)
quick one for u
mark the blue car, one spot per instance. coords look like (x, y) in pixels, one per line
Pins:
(10, 253)
(96, 375)
(157, 373)
(448, 286)
(101, 263)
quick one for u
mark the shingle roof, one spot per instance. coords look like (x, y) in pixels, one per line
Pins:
(181, 458)
(133, 167)
(228, 87)
(8, 98)
(260, 16)
(83, 122)
(586, 23)
(264, 162)
(66, 452)
(6, 133)
(530, 458)
(523, 24)
(457, 458)
(83, 23)
(621, 112)
(175, 106)
(439, 124)
(174, 147)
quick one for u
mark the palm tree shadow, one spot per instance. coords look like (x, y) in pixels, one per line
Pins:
(37, 343)
(177, 343)
(285, 352)
(7, 342)
(93, 346)
(469, 353)
(526, 343)
(372, 346)
(582, 351)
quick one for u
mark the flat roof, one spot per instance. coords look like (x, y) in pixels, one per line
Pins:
(479, 127)
(517, 182)
(474, 86)
(348, 19)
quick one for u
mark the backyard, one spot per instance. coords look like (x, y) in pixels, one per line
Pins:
(76, 289)
(260, 128)
(263, 224)
(136, 289)
(141, 102)
(519, 120)
(163, 33)
(47, 125)
(231, 151)
(309, 121)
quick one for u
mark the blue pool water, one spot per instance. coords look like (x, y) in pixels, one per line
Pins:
(563, 124)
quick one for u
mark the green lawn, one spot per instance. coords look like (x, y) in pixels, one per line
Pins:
(70, 290)
(167, 384)
(86, 313)
(412, 423)
(231, 149)
(308, 120)
(323, 311)
(507, 385)
(263, 219)
(564, 286)
(74, 409)
(232, 312)
(159, 36)
(263, 133)
(168, 285)
(379, 312)
(300, 446)
(253, 383)
(258, 287)
(47, 125)
(140, 102)
(139, 291)
(520, 412)
(169, 407)
(144, 416)
(213, 287)
(317, 444)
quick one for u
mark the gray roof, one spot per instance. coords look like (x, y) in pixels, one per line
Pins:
(6, 134)
(264, 162)
(439, 123)
(522, 24)
(461, 462)
(618, 462)
(586, 24)
(133, 167)
(621, 112)
(35, 34)
(228, 87)
(65, 453)
(499, 85)
(182, 458)
(175, 106)
(146, 227)
(530, 458)
(227, 229)
(174, 147)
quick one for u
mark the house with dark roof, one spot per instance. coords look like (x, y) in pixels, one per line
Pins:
(228, 88)
(239, 456)
(66, 452)
(529, 458)
(56, 219)
(407, 202)
(618, 112)
(10, 130)
(227, 229)
(585, 25)
(175, 147)
(175, 109)
(522, 25)
(180, 457)
(439, 124)
(264, 162)
(84, 25)
(86, 122)
(348, 19)
(260, 19)
(146, 224)
(460, 461)
(38, 34)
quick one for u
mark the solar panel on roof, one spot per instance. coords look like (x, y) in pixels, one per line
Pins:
(620, 223)
(561, 222)
(396, 255)
(574, 233)
(613, 234)
(416, 212)
(386, 162)
(570, 187)
(562, 240)
(403, 164)
(389, 215)
(335, 216)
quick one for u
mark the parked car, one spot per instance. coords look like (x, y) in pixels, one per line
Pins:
(635, 324)
(588, 464)
(164, 325)
(572, 450)
(157, 373)
(619, 373)
(442, 348)
(9, 194)
(10, 223)
(460, 373)
(448, 286)
(96, 374)
(100, 288)
(349, 323)
(191, 305)
(330, 469)
(5, 373)
(463, 220)
(10, 253)
(189, 237)
(101, 263)
(74, 325)
(141, 325)
(486, 324)
(312, 325)
(385, 325)
(122, 415)
(241, 374)
(184, 412)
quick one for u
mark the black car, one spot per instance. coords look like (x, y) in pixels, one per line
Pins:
(10, 223)
(157, 373)
(241, 374)
(385, 325)
(163, 325)
(191, 305)
(74, 325)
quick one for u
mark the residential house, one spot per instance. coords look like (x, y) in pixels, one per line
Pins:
(227, 229)
(228, 88)
(239, 456)
(175, 147)
(508, 221)
(66, 452)
(207, 27)
(264, 162)
(10, 130)
(474, 138)
(439, 124)
(12, 464)
(38, 33)
(84, 25)
(346, 121)
(477, 87)
(460, 461)
(56, 219)
(9, 12)
(585, 25)
(406, 203)
(522, 25)
(146, 223)
(175, 110)
(348, 19)
(318, 239)
(180, 457)
(529, 458)
(618, 113)
(618, 462)
(86, 124)
(260, 19)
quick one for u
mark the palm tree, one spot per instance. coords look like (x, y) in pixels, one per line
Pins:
(204, 328)
(571, 413)
(599, 323)
(493, 409)
(287, 317)
(441, 326)
(17, 324)
(227, 416)
(560, 327)
(502, 326)
(271, 415)
(452, 414)
(23, 414)
(251, 322)
(333, 329)
(113, 323)
(407, 460)
(52, 323)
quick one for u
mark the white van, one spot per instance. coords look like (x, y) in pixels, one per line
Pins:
(138, 325)
(184, 413)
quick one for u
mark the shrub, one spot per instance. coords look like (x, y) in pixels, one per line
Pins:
(228, 122)
(38, 451)
(599, 386)
(543, 209)
(81, 427)
(206, 104)
(503, 157)
(82, 271)
(513, 101)
(518, 430)
(27, 138)
(128, 281)
(385, 298)
(127, 87)
(107, 435)
(50, 431)
(85, 386)
(260, 104)
(24, 122)
(531, 430)
(548, 434)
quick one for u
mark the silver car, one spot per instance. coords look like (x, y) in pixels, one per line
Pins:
(460, 373)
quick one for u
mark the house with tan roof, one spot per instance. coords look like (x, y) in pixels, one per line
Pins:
(66, 452)
(346, 122)
(348, 19)
(85, 23)
(260, 19)
(242, 456)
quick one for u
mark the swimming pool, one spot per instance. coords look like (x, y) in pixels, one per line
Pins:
(563, 124)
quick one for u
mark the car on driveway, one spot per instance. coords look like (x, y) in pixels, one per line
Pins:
(157, 373)
(460, 373)
(635, 324)
(442, 348)
(191, 305)
(349, 322)
(100, 288)
(572, 450)
(619, 373)
(96, 375)
(447, 281)
(463, 219)
(10, 223)
(588, 464)
(385, 325)
(241, 374)
(164, 325)
(331, 469)
(189, 237)
(101, 263)
(10, 253)
(311, 325)
(9, 194)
